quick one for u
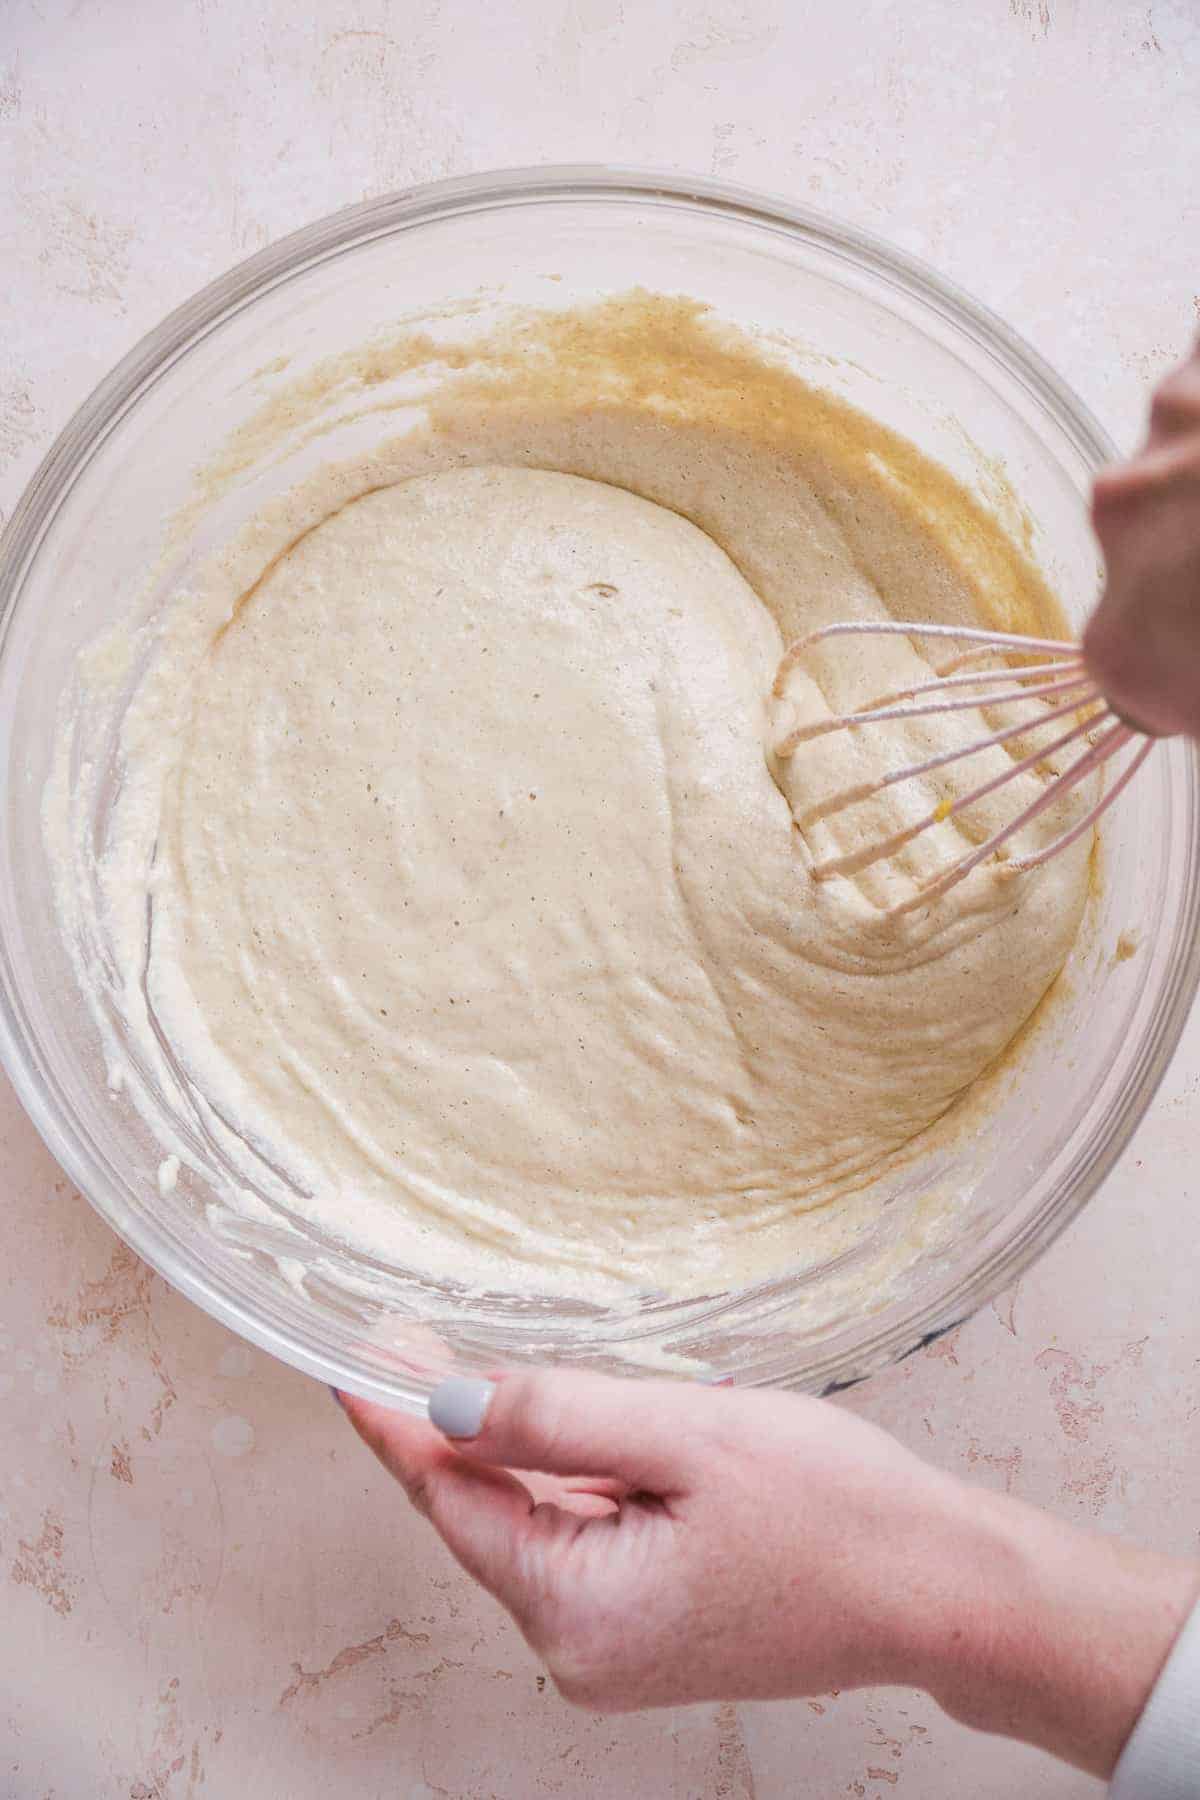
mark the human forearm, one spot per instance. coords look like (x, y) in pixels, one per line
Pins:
(694, 1544)
(1059, 1635)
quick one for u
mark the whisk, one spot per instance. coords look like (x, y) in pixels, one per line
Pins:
(1058, 680)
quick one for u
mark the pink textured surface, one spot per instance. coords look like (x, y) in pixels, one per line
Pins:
(209, 1590)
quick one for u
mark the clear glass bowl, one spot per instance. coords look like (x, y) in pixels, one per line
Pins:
(880, 330)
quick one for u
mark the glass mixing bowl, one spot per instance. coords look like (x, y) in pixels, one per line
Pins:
(871, 325)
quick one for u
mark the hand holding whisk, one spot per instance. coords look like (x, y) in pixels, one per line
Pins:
(1135, 677)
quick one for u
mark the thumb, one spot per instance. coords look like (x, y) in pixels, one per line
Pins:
(644, 1434)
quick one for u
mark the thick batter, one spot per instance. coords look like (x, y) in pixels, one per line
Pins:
(455, 875)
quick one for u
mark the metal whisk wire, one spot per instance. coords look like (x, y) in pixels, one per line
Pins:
(1061, 683)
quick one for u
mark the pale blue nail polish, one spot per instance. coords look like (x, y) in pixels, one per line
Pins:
(459, 1406)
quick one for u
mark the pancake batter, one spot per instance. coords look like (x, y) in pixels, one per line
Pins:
(455, 879)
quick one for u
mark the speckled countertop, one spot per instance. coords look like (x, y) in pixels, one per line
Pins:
(209, 1590)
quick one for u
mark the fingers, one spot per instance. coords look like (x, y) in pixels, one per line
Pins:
(485, 1517)
(598, 1487)
(590, 1495)
(1175, 408)
(409, 1449)
(1142, 644)
(1144, 511)
(643, 1435)
(1123, 657)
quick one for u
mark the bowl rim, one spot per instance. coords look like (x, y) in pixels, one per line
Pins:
(217, 303)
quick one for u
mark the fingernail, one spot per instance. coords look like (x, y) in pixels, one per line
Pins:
(459, 1406)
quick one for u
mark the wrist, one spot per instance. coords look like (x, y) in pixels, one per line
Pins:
(1055, 1636)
